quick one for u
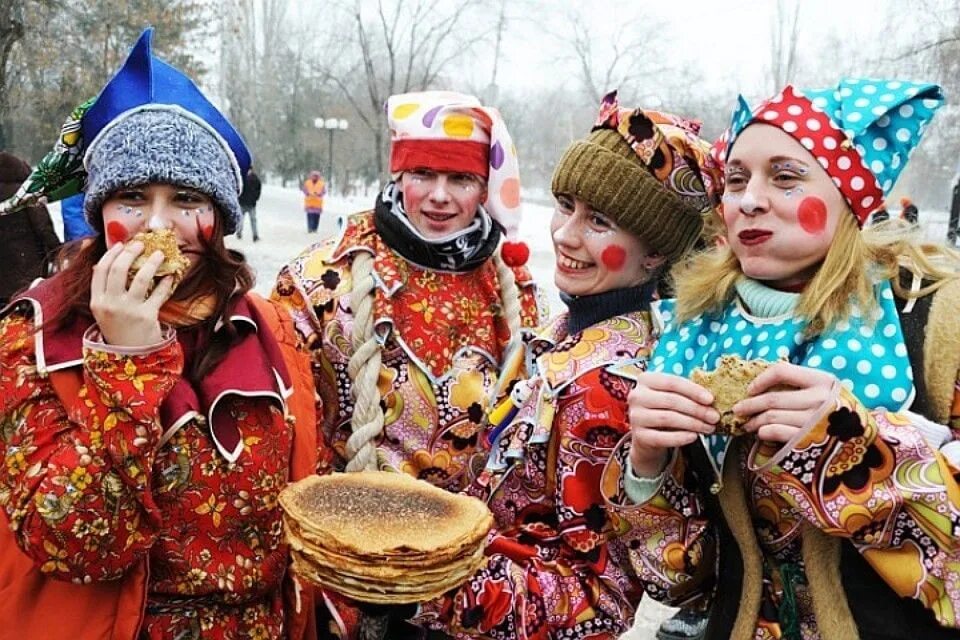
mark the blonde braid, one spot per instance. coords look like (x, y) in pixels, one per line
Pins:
(364, 369)
(510, 299)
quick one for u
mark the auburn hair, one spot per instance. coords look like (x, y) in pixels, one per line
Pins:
(220, 272)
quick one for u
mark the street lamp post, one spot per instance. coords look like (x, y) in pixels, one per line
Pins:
(331, 125)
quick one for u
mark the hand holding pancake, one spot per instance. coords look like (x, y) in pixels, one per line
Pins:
(666, 411)
(784, 399)
(125, 299)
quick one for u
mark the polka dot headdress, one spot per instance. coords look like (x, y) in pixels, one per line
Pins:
(448, 131)
(861, 131)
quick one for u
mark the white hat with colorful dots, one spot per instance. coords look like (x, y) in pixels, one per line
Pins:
(449, 131)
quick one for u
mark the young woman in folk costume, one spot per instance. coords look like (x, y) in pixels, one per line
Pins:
(834, 517)
(147, 431)
(410, 313)
(630, 201)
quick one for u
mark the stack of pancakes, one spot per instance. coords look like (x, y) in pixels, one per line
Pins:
(383, 538)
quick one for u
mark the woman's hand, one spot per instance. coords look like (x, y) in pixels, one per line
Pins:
(777, 415)
(128, 316)
(666, 411)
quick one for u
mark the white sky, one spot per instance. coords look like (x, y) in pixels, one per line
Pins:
(728, 39)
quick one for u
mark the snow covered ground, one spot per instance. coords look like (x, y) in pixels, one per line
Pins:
(282, 227)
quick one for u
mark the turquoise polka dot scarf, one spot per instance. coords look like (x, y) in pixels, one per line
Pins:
(866, 352)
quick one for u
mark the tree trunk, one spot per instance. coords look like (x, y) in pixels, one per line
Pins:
(11, 30)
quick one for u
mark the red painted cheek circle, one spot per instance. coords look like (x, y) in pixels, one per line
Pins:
(614, 257)
(812, 214)
(116, 232)
(206, 231)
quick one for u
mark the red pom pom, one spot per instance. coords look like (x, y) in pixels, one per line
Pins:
(515, 254)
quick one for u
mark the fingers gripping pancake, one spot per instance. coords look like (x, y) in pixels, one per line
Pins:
(174, 263)
(728, 383)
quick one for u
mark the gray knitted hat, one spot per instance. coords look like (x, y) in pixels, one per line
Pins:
(161, 145)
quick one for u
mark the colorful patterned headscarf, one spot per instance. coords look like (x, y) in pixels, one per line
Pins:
(670, 147)
(449, 131)
(60, 174)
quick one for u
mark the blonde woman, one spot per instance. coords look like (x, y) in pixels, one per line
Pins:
(831, 517)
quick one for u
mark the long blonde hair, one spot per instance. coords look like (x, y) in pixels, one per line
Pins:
(367, 421)
(705, 282)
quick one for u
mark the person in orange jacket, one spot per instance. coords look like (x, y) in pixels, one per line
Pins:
(314, 189)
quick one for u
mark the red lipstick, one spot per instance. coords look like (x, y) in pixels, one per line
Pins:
(751, 237)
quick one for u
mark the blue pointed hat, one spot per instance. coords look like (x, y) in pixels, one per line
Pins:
(145, 79)
(150, 122)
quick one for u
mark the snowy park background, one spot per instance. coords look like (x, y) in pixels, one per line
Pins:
(283, 71)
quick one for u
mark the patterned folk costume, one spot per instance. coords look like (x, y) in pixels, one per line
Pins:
(850, 529)
(443, 338)
(408, 332)
(140, 501)
(557, 565)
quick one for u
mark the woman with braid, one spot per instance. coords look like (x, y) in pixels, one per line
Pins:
(411, 311)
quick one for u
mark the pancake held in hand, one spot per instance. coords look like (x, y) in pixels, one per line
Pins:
(383, 537)
(174, 263)
(728, 383)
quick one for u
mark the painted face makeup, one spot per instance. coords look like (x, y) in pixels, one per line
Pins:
(614, 257)
(593, 254)
(440, 203)
(812, 215)
(189, 213)
(116, 232)
(788, 210)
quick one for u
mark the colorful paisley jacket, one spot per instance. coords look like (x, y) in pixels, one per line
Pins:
(443, 338)
(557, 567)
(852, 532)
(149, 474)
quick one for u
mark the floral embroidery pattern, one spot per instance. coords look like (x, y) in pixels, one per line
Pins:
(555, 568)
(867, 476)
(445, 340)
(91, 494)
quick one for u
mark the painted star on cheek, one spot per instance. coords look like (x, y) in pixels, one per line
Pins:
(206, 231)
(812, 215)
(614, 257)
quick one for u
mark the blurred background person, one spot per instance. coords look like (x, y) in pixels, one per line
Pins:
(314, 189)
(248, 203)
(27, 238)
(909, 211)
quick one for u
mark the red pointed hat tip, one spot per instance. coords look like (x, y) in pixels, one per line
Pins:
(515, 254)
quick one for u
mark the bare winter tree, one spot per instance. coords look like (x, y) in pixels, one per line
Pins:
(784, 35)
(621, 60)
(69, 50)
(11, 30)
(933, 54)
(396, 47)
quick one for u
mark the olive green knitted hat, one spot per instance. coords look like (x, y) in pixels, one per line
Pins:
(645, 170)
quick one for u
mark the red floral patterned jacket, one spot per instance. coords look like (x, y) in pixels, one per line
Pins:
(148, 465)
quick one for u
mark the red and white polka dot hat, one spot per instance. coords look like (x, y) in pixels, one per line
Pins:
(861, 131)
(449, 131)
